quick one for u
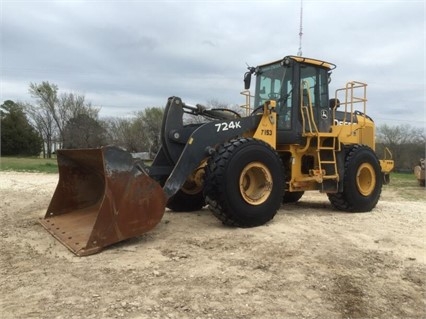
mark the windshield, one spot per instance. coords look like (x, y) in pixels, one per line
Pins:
(274, 82)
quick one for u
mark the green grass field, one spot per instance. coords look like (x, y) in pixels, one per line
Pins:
(28, 164)
(407, 186)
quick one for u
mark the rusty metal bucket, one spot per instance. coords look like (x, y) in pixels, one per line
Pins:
(101, 198)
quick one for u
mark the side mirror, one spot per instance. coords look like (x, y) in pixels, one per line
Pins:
(247, 77)
(247, 80)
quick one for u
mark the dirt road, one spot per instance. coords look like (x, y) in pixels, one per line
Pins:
(309, 262)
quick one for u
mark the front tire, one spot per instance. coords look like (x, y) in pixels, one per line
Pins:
(244, 183)
(362, 182)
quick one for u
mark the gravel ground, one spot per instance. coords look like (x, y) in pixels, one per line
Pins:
(309, 262)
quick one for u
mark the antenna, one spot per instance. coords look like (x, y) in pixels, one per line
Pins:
(299, 52)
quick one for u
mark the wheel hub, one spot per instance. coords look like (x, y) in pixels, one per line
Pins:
(194, 183)
(366, 179)
(255, 183)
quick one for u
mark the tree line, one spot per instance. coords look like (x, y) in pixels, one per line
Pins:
(406, 143)
(68, 121)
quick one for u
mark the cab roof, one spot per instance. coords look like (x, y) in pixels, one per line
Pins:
(306, 60)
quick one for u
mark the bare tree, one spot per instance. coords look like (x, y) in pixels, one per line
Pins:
(149, 121)
(142, 132)
(125, 133)
(406, 143)
(43, 122)
(43, 113)
(53, 112)
(72, 106)
(211, 104)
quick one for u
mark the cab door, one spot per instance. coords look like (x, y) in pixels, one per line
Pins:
(314, 98)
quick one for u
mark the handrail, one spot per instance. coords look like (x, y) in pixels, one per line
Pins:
(247, 106)
(310, 111)
(386, 153)
(352, 95)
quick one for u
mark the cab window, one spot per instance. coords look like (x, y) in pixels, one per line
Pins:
(274, 82)
(314, 86)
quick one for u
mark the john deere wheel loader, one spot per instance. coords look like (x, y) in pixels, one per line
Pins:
(296, 139)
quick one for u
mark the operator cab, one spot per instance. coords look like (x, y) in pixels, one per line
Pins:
(296, 84)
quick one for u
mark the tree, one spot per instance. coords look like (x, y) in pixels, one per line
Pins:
(18, 137)
(406, 143)
(43, 122)
(42, 115)
(53, 112)
(149, 121)
(125, 133)
(211, 104)
(139, 133)
(83, 131)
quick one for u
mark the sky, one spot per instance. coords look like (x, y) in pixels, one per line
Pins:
(127, 55)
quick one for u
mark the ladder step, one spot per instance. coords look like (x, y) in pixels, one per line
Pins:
(335, 176)
(317, 178)
(328, 162)
(331, 180)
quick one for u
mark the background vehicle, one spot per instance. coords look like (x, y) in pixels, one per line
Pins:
(419, 172)
(295, 140)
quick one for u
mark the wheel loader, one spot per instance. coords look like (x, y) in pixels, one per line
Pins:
(297, 137)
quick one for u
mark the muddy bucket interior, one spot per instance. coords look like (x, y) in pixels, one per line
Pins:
(101, 198)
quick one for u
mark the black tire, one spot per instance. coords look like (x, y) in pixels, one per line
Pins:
(362, 181)
(244, 183)
(183, 202)
(190, 197)
(292, 197)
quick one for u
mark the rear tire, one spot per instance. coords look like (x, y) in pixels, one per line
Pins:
(362, 182)
(190, 197)
(292, 197)
(244, 183)
(183, 202)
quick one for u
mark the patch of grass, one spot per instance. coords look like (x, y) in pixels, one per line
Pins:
(28, 164)
(407, 186)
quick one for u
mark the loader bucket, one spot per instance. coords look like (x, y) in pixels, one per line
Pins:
(101, 198)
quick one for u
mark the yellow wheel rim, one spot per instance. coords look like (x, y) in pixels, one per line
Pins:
(255, 183)
(194, 183)
(366, 179)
